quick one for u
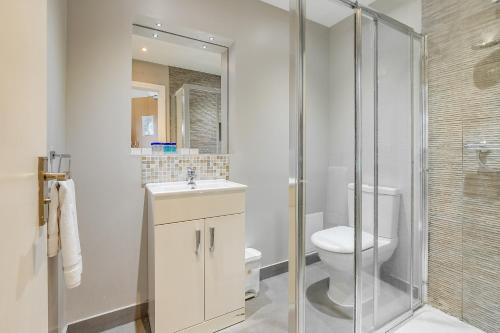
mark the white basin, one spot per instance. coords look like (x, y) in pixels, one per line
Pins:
(202, 186)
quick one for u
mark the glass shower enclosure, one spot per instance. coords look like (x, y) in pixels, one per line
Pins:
(197, 118)
(367, 272)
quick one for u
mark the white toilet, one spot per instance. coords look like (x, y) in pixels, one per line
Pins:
(336, 245)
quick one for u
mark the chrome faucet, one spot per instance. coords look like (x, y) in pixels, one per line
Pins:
(191, 175)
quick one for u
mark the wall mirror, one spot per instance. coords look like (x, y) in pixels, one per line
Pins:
(179, 92)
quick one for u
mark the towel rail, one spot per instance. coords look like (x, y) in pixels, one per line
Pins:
(43, 177)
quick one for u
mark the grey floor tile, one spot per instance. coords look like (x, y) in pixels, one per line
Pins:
(268, 313)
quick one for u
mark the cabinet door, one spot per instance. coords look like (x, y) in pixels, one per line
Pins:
(224, 265)
(179, 275)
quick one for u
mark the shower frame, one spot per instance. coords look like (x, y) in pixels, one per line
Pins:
(298, 114)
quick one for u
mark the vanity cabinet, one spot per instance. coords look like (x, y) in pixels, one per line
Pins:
(196, 261)
(179, 276)
(224, 264)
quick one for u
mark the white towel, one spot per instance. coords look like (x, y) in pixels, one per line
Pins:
(63, 231)
(53, 224)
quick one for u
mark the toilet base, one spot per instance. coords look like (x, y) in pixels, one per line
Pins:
(341, 288)
(340, 269)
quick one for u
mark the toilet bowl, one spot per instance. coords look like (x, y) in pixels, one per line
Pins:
(335, 245)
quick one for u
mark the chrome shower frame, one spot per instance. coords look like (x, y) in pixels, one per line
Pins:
(298, 116)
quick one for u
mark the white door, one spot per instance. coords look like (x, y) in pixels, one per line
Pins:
(179, 275)
(224, 265)
(23, 117)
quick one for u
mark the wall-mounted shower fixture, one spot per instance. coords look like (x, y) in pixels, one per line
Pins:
(490, 41)
(483, 148)
(487, 43)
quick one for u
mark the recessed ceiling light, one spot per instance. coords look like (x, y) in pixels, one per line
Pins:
(211, 38)
(204, 46)
(158, 24)
(156, 36)
(144, 49)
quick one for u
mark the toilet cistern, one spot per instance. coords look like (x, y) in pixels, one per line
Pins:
(191, 174)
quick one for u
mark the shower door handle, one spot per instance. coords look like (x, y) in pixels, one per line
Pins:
(212, 239)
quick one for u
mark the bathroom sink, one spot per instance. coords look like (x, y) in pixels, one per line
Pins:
(202, 186)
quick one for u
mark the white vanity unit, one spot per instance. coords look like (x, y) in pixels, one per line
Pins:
(196, 256)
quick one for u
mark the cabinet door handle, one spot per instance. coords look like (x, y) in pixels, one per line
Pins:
(212, 239)
(198, 241)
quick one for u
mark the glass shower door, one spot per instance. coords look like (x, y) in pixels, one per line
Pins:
(357, 138)
(392, 171)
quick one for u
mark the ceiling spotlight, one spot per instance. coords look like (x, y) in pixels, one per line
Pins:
(144, 49)
(156, 36)
(211, 38)
(158, 24)
(204, 46)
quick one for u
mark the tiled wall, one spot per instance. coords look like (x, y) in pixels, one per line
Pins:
(180, 76)
(205, 114)
(158, 169)
(464, 201)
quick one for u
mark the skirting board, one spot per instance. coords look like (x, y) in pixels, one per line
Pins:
(282, 267)
(110, 320)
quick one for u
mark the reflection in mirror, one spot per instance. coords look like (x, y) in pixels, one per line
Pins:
(148, 110)
(179, 92)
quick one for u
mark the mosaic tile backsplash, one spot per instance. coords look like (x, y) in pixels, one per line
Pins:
(160, 169)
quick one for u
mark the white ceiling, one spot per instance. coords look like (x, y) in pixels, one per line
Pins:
(173, 54)
(324, 12)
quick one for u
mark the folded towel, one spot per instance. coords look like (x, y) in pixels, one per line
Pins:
(68, 232)
(53, 223)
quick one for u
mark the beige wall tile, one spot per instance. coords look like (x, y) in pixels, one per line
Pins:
(464, 201)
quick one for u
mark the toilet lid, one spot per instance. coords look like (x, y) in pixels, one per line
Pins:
(341, 240)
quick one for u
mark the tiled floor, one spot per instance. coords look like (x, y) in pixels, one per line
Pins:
(268, 312)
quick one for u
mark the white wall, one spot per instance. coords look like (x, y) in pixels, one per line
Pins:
(56, 137)
(110, 198)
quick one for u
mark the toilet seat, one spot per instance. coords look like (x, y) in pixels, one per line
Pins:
(341, 240)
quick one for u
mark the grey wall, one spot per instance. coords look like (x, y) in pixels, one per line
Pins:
(408, 12)
(109, 196)
(56, 137)
(56, 80)
(317, 129)
(341, 121)
(109, 193)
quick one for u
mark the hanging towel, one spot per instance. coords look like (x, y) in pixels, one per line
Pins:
(53, 224)
(68, 233)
